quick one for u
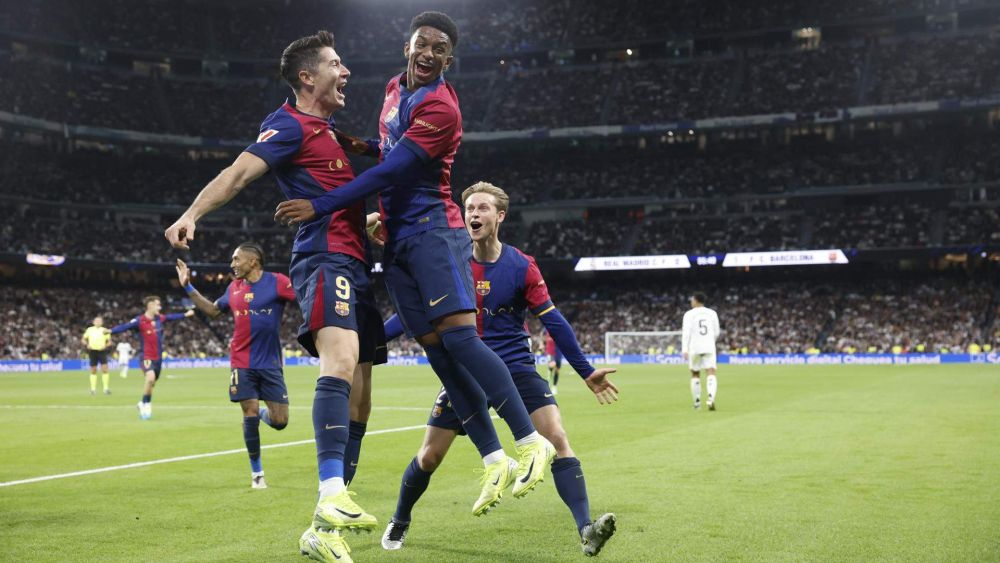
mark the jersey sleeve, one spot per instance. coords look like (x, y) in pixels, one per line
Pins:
(223, 301)
(431, 134)
(172, 317)
(285, 290)
(280, 138)
(131, 325)
(536, 293)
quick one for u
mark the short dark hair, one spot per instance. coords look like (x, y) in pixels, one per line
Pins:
(303, 54)
(439, 21)
(253, 248)
(149, 299)
(700, 297)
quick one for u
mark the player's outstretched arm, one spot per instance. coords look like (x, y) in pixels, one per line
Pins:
(357, 145)
(565, 339)
(199, 300)
(131, 325)
(399, 166)
(245, 169)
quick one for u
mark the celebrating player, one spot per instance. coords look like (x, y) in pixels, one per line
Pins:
(257, 300)
(124, 355)
(328, 267)
(150, 327)
(700, 331)
(507, 284)
(96, 338)
(427, 251)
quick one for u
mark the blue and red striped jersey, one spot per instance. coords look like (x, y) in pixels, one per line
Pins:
(257, 309)
(505, 289)
(427, 122)
(307, 161)
(150, 333)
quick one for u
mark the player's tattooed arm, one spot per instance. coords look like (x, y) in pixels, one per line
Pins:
(245, 169)
(357, 145)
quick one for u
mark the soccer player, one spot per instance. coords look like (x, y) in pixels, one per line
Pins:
(555, 361)
(508, 283)
(257, 300)
(427, 251)
(150, 327)
(96, 338)
(699, 332)
(328, 269)
(124, 355)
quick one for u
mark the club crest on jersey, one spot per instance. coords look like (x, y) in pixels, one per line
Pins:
(266, 135)
(342, 308)
(483, 287)
(248, 297)
(391, 115)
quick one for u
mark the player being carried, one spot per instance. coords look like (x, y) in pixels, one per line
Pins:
(150, 327)
(97, 338)
(427, 251)
(700, 331)
(508, 283)
(328, 270)
(257, 300)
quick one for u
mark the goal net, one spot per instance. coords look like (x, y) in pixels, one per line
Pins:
(648, 344)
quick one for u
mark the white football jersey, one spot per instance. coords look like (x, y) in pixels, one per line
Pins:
(700, 331)
(124, 349)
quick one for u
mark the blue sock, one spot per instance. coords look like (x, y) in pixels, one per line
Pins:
(251, 435)
(572, 488)
(465, 346)
(265, 417)
(466, 398)
(356, 433)
(331, 415)
(414, 483)
(147, 398)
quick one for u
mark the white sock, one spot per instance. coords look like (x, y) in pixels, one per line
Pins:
(494, 457)
(331, 487)
(256, 473)
(696, 389)
(712, 385)
(529, 439)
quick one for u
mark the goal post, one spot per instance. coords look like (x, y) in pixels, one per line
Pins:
(641, 343)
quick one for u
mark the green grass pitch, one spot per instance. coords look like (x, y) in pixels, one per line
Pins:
(799, 463)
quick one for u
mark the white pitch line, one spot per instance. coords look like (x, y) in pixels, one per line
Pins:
(185, 458)
(183, 407)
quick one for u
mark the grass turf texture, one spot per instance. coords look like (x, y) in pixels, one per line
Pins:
(818, 463)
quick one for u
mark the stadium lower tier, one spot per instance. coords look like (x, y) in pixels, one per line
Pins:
(939, 314)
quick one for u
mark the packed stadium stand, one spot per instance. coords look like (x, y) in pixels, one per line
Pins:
(632, 128)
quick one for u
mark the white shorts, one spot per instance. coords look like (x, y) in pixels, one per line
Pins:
(698, 362)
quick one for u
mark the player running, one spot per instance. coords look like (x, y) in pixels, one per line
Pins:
(328, 269)
(700, 331)
(150, 327)
(257, 300)
(97, 338)
(427, 251)
(124, 356)
(508, 283)
(555, 361)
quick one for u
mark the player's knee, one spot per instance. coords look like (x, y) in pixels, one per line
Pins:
(429, 459)
(279, 423)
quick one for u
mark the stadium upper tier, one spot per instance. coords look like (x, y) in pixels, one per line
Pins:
(261, 28)
(521, 96)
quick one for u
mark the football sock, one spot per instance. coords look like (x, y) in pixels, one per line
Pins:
(265, 416)
(533, 437)
(251, 436)
(93, 382)
(147, 398)
(414, 483)
(555, 377)
(331, 415)
(105, 379)
(696, 390)
(711, 385)
(466, 398)
(494, 457)
(463, 344)
(572, 488)
(356, 433)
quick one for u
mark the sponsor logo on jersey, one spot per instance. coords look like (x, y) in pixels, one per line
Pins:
(266, 135)
(483, 287)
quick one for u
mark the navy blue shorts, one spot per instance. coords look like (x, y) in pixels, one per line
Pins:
(263, 384)
(428, 276)
(153, 366)
(533, 389)
(334, 289)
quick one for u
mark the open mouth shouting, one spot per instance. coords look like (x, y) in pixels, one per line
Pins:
(340, 91)
(423, 70)
(476, 226)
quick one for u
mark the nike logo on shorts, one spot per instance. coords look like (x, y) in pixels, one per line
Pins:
(547, 395)
(434, 302)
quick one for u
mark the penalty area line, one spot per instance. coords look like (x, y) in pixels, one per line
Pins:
(186, 458)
